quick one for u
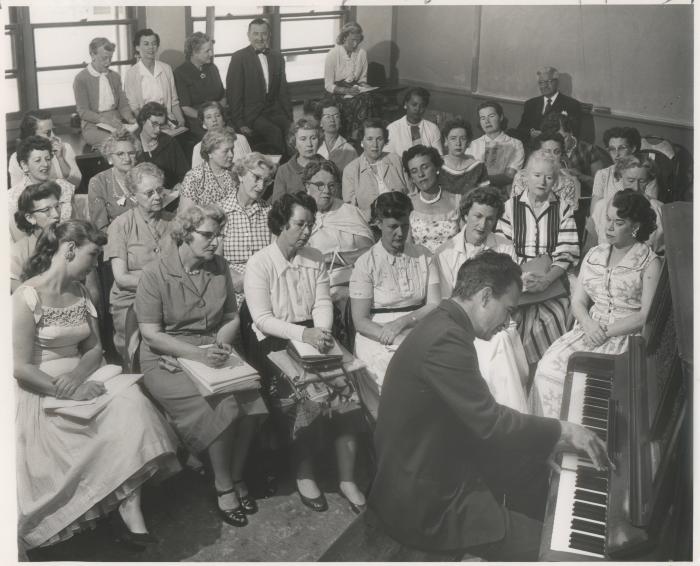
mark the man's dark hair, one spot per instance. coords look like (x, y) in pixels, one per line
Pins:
(260, 22)
(487, 269)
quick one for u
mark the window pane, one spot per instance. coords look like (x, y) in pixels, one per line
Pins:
(11, 98)
(222, 64)
(307, 33)
(56, 87)
(67, 12)
(251, 11)
(305, 67)
(298, 9)
(230, 35)
(9, 58)
(52, 49)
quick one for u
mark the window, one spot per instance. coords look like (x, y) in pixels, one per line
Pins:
(305, 35)
(51, 61)
(11, 95)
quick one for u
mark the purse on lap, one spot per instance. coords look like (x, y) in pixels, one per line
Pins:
(556, 290)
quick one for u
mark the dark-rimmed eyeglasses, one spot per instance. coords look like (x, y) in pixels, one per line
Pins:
(328, 187)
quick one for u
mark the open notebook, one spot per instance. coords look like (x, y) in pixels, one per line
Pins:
(235, 375)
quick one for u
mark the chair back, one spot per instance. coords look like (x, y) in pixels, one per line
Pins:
(132, 342)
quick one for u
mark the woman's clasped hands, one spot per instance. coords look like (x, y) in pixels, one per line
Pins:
(596, 333)
(534, 282)
(319, 338)
(216, 355)
(71, 386)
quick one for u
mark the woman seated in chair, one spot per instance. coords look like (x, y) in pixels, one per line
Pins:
(211, 116)
(340, 228)
(612, 298)
(333, 146)
(460, 172)
(158, 147)
(303, 141)
(35, 154)
(539, 224)
(108, 196)
(136, 238)
(638, 173)
(71, 472)
(567, 188)
(287, 291)
(393, 285)
(38, 207)
(186, 308)
(502, 359)
(620, 142)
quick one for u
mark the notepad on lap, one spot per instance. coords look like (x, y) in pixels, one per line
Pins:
(235, 375)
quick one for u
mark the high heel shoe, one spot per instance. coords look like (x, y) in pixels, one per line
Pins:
(247, 503)
(236, 516)
(135, 541)
(318, 504)
(355, 507)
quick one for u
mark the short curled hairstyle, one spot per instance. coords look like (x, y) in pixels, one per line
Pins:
(283, 208)
(109, 145)
(150, 109)
(208, 106)
(302, 124)
(555, 121)
(316, 165)
(453, 124)
(346, 30)
(27, 198)
(418, 150)
(378, 124)
(630, 135)
(145, 32)
(135, 175)
(550, 136)
(32, 143)
(488, 196)
(418, 91)
(259, 22)
(327, 102)
(546, 71)
(638, 160)
(98, 42)
(487, 269)
(635, 207)
(499, 110)
(539, 156)
(252, 161)
(194, 42)
(30, 122)
(393, 204)
(214, 139)
(191, 218)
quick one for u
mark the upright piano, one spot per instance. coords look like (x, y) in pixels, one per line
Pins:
(640, 403)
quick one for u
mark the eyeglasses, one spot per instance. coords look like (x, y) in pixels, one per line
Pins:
(153, 192)
(618, 148)
(334, 116)
(209, 236)
(266, 181)
(546, 82)
(57, 207)
(156, 124)
(125, 154)
(329, 187)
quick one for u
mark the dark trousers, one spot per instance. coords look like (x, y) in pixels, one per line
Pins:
(273, 125)
(521, 542)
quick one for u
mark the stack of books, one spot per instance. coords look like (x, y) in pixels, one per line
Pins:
(235, 375)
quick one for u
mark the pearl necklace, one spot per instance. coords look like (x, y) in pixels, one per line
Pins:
(433, 200)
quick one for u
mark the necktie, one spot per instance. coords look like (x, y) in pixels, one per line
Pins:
(263, 51)
(415, 134)
(548, 106)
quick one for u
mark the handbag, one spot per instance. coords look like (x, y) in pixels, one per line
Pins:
(556, 290)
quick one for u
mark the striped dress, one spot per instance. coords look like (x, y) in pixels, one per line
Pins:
(551, 232)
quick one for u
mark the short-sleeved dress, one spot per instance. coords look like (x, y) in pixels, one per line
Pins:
(136, 243)
(191, 308)
(71, 472)
(396, 285)
(616, 293)
(434, 229)
(202, 186)
(107, 199)
(66, 200)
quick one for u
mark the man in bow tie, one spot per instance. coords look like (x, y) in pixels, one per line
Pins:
(257, 91)
(551, 100)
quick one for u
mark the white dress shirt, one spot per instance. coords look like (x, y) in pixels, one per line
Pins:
(400, 136)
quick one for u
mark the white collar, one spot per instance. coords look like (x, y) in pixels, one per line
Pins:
(552, 97)
(157, 69)
(301, 259)
(94, 72)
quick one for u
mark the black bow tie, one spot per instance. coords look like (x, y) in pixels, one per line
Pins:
(263, 51)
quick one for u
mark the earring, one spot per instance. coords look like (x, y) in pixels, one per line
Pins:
(635, 232)
(69, 255)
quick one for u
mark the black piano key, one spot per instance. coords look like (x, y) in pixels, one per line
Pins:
(601, 433)
(593, 402)
(588, 511)
(590, 497)
(601, 384)
(591, 472)
(588, 527)
(588, 543)
(601, 377)
(593, 484)
(593, 411)
(596, 392)
(593, 421)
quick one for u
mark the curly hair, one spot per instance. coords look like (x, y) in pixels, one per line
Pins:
(32, 143)
(346, 30)
(487, 269)
(215, 138)
(27, 198)
(550, 136)
(30, 122)
(499, 110)
(283, 208)
(316, 165)
(638, 160)
(252, 161)
(635, 207)
(540, 156)
(191, 218)
(207, 106)
(150, 109)
(488, 196)
(424, 94)
(194, 42)
(378, 124)
(135, 175)
(453, 124)
(78, 231)
(418, 150)
(145, 32)
(302, 124)
(109, 145)
(630, 135)
(393, 204)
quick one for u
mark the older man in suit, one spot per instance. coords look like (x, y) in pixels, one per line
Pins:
(257, 92)
(551, 100)
(446, 451)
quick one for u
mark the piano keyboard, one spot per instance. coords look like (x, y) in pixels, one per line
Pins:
(581, 508)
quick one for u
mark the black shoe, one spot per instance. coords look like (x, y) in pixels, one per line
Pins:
(357, 509)
(318, 504)
(270, 485)
(247, 503)
(235, 517)
(134, 541)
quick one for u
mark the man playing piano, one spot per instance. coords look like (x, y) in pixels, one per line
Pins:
(446, 451)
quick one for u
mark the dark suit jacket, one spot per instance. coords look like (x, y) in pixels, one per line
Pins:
(532, 113)
(437, 423)
(245, 87)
